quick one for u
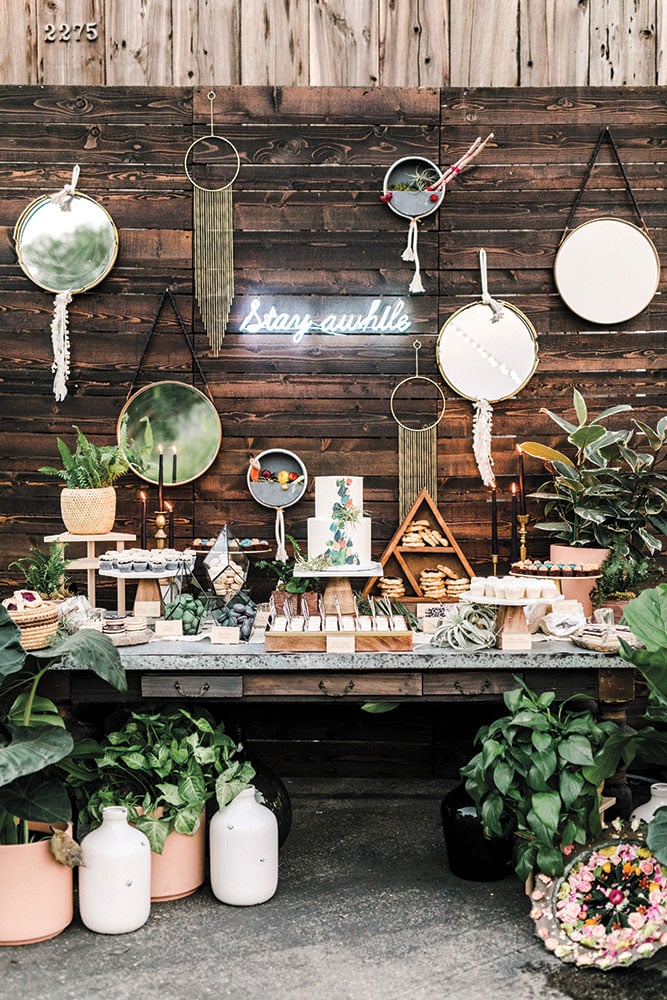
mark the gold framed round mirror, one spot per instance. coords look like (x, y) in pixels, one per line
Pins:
(607, 270)
(66, 251)
(185, 428)
(487, 354)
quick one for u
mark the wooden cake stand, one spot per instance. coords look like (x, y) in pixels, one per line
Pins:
(339, 584)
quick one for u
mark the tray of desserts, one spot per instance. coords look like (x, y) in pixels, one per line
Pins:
(554, 570)
(318, 633)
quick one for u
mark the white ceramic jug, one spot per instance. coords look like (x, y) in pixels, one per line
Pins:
(244, 851)
(115, 876)
(658, 799)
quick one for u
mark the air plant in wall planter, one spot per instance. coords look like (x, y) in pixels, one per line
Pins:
(414, 188)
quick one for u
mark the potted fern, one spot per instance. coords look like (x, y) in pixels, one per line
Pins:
(45, 573)
(88, 500)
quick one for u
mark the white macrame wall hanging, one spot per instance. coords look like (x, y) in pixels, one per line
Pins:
(66, 243)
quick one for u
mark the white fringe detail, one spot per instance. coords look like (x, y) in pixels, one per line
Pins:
(281, 551)
(481, 440)
(410, 253)
(63, 198)
(60, 342)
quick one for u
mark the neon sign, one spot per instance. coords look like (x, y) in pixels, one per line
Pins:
(378, 318)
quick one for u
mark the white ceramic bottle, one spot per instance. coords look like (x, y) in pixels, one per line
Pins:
(658, 799)
(244, 851)
(115, 876)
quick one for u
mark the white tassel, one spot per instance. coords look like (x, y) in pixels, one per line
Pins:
(63, 198)
(410, 253)
(481, 440)
(60, 342)
(281, 551)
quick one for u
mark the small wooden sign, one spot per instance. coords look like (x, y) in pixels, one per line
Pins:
(431, 615)
(147, 609)
(340, 644)
(225, 635)
(164, 628)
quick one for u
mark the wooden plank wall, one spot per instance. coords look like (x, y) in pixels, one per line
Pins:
(456, 43)
(310, 232)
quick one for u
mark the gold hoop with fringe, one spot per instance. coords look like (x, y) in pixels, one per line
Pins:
(417, 448)
(213, 250)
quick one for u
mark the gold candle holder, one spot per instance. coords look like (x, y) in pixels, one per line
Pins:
(494, 563)
(160, 535)
(523, 530)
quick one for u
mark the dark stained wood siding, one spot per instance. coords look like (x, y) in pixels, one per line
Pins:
(309, 228)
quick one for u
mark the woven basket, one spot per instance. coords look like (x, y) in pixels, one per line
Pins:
(88, 512)
(37, 625)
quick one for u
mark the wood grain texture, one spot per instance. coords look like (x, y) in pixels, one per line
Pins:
(484, 43)
(139, 44)
(554, 43)
(206, 41)
(71, 41)
(414, 44)
(274, 44)
(623, 42)
(344, 44)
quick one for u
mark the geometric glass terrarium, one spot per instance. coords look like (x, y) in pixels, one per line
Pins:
(226, 565)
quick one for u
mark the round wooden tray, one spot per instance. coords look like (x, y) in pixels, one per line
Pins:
(130, 638)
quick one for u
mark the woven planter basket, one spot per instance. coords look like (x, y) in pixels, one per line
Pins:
(37, 625)
(88, 512)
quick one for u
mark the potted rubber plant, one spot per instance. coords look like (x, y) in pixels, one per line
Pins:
(608, 494)
(36, 901)
(89, 471)
(163, 765)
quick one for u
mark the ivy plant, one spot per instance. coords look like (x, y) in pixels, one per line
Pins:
(535, 777)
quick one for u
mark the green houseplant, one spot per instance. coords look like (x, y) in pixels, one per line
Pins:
(621, 579)
(89, 471)
(611, 491)
(537, 777)
(36, 901)
(45, 573)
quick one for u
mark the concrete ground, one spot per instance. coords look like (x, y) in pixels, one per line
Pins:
(366, 909)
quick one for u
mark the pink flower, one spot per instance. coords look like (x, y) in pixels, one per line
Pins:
(616, 896)
(636, 920)
(646, 866)
(568, 849)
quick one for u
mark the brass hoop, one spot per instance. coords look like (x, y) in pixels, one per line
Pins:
(413, 378)
(212, 135)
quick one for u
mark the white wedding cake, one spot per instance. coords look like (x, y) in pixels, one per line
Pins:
(339, 532)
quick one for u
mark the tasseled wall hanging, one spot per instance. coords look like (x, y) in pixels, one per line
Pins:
(414, 188)
(213, 219)
(417, 446)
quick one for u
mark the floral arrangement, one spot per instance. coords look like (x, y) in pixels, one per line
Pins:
(609, 909)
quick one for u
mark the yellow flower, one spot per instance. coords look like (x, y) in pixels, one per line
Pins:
(607, 850)
(283, 476)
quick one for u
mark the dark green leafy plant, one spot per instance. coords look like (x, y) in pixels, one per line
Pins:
(535, 777)
(45, 574)
(92, 466)
(622, 577)
(612, 492)
(33, 737)
(168, 761)
(284, 571)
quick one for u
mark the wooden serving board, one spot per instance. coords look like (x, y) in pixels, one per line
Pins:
(319, 642)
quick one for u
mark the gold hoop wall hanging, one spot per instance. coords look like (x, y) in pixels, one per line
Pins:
(213, 251)
(417, 447)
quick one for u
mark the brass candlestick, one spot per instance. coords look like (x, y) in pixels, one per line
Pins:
(494, 561)
(160, 534)
(523, 530)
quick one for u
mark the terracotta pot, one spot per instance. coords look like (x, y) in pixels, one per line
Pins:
(180, 869)
(617, 606)
(579, 588)
(37, 896)
(88, 512)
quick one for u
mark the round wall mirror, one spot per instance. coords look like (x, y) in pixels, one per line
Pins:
(484, 354)
(184, 424)
(66, 250)
(607, 270)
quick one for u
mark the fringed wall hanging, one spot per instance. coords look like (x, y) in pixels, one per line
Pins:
(213, 220)
(66, 243)
(414, 188)
(486, 351)
(417, 445)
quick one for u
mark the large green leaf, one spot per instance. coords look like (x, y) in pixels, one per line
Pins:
(547, 806)
(570, 785)
(31, 749)
(576, 750)
(12, 653)
(646, 616)
(155, 829)
(542, 451)
(37, 798)
(43, 712)
(656, 837)
(87, 650)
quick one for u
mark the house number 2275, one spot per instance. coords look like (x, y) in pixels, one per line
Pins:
(70, 32)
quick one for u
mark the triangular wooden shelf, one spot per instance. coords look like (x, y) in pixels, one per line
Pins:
(408, 562)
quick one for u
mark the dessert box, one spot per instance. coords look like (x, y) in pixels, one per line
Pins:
(347, 633)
